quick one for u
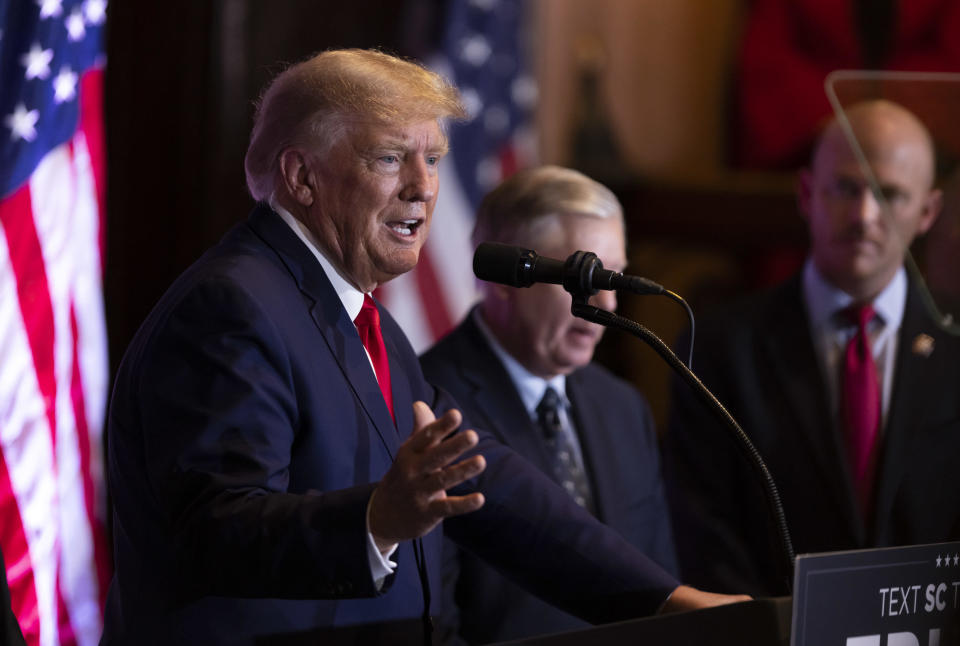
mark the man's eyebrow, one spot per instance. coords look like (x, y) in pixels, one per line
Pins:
(397, 141)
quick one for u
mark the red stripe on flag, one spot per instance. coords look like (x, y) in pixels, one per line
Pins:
(23, 594)
(36, 309)
(97, 531)
(431, 295)
(91, 123)
(509, 164)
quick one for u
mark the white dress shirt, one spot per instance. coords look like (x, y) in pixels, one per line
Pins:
(831, 334)
(531, 387)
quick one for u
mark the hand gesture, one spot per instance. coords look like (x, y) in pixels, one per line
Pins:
(411, 498)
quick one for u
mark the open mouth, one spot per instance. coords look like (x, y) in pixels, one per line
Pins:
(406, 228)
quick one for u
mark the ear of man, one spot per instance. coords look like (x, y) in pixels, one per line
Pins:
(297, 176)
(933, 205)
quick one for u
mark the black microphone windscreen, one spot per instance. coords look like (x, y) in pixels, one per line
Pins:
(502, 263)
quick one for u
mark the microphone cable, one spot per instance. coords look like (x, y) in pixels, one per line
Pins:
(777, 517)
(679, 299)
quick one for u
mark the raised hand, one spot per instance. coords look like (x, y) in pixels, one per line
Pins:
(411, 498)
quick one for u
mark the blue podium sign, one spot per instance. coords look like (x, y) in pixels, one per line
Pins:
(899, 596)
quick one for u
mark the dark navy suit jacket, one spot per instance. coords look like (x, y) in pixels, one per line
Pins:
(246, 434)
(758, 358)
(621, 456)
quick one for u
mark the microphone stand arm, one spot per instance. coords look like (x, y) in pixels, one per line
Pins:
(582, 310)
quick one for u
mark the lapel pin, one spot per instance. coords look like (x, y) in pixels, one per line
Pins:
(923, 345)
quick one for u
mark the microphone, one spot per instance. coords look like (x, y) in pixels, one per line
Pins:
(581, 273)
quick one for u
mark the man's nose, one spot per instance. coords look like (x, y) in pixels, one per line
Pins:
(419, 181)
(867, 209)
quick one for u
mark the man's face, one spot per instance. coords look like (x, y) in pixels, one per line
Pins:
(375, 194)
(538, 328)
(858, 243)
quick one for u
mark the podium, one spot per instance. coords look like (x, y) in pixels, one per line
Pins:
(763, 622)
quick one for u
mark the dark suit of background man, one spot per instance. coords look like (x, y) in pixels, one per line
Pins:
(275, 478)
(863, 445)
(501, 360)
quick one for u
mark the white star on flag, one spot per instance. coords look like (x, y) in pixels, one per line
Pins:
(65, 85)
(50, 8)
(22, 123)
(475, 50)
(472, 102)
(496, 119)
(524, 92)
(37, 62)
(95, 11)
(76, 30)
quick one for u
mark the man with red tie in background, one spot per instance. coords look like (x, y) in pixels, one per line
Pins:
(841, 377)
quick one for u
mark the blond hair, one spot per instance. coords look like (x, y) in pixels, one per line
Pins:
(311, 102)
(511, 212)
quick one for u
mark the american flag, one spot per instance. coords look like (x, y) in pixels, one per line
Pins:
(53, 362)
(483, 54)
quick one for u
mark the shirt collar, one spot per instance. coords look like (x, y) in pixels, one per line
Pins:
(350, 296)
(530, 386)
(824, 300)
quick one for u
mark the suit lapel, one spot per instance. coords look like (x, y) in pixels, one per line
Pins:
(913, 377)
(787, 341)
(331, 319)
(497, 401)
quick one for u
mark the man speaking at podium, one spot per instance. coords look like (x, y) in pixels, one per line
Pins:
(520, 366)
(841, 377)
(279, 466)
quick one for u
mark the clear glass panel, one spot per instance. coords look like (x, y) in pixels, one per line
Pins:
(892, 155)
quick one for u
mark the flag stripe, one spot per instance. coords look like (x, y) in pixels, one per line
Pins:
(101, 558)
(64, 628)
(430, 292)
(23, 594)
(30, 274)
(91, 125)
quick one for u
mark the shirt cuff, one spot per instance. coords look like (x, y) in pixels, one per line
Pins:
(380, 564)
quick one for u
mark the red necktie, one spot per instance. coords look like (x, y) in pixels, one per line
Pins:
(368, 325)
(861, 406)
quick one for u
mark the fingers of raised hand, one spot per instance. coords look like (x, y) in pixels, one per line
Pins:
(422, 415)
(451, 476)
(429, 430)
(442, 454)
(456, 505)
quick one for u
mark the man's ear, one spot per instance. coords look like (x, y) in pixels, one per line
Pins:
(932, 206)
(804, 192)
(297, 177)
